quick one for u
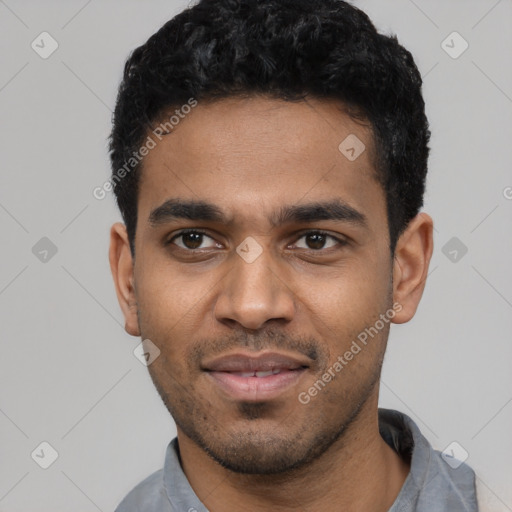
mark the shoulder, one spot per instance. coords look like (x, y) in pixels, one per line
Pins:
(451, 480)
(148, 496)
(436, 481)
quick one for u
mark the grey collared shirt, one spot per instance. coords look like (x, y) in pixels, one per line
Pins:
(432, 485)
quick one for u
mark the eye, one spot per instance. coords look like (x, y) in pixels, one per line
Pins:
(317, 240)
(193, 239)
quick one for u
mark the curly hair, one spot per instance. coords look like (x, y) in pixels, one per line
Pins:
(285, 49)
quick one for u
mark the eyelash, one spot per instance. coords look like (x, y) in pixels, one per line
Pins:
(341, 242)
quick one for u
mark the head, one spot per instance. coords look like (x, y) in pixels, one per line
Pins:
(274, 158)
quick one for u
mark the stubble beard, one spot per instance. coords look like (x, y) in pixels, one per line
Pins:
(261, 448)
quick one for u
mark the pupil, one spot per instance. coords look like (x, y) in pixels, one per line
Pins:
(315, 241)
(192, 240)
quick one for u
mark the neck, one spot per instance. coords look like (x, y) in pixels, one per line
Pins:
(359, 472)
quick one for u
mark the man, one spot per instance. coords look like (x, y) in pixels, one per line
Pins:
(269, 161)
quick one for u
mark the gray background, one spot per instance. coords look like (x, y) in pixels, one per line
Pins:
(68, 373)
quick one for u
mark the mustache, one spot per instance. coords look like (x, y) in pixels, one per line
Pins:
(265, 339)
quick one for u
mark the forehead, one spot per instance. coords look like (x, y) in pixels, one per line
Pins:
(247, 154)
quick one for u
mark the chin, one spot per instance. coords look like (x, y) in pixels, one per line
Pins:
(266, 450)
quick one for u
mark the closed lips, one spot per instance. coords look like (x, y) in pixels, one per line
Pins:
(267, 373)
(255, 377)
(261, 365)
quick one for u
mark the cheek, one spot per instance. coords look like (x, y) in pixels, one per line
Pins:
(168, 305)
(168, 290)
(341, 305)
(353, 291)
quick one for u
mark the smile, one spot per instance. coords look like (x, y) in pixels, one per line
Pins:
(256, 378)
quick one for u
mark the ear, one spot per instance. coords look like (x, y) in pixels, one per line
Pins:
(121, 265)
(410, 266)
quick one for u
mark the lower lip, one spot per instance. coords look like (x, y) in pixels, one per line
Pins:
(256, 389)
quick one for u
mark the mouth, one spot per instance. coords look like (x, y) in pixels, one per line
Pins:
(262, 373)
(256, 378)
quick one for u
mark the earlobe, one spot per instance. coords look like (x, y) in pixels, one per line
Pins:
(410, 268)
(121, 265)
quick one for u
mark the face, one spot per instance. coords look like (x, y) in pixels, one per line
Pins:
(262, 255)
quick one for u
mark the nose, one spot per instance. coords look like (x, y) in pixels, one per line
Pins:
(253, 293)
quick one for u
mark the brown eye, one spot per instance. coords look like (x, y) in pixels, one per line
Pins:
(317, 240)
(192, 240)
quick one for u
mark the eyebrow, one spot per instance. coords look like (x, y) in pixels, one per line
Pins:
(174, 209)
(336, 209)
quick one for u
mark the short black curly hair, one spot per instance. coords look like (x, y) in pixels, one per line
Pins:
(286, 49)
